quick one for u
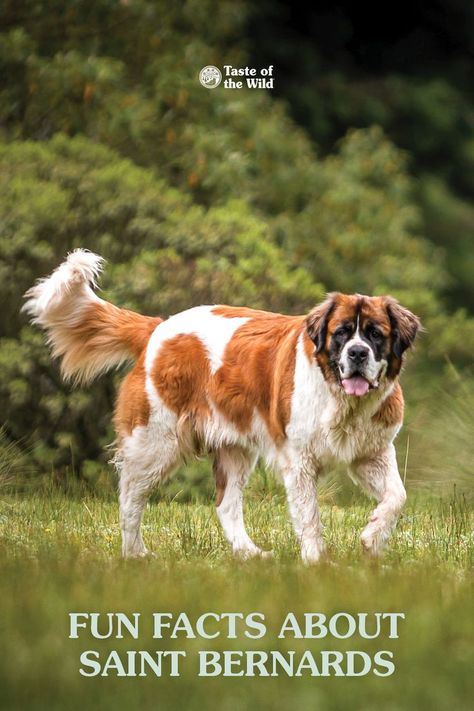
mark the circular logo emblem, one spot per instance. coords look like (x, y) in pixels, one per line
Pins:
(210, 77)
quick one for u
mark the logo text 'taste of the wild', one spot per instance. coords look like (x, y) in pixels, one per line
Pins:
(237, 77)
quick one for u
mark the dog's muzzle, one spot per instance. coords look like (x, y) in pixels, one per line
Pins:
(355, 367)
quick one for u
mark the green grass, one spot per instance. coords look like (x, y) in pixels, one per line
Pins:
(60, 554)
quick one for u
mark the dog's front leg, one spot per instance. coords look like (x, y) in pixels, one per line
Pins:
(380, 478)
(300, 487)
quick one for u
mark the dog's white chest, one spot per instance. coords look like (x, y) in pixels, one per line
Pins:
(345, 439)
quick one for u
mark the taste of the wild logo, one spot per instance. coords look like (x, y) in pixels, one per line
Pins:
(237, 77)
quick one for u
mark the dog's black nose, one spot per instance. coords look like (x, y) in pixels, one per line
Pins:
(358, 354)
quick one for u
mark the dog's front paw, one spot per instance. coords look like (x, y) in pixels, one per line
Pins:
(367, 540)
(373, 539)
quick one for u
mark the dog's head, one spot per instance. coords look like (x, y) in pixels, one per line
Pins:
(360, 340)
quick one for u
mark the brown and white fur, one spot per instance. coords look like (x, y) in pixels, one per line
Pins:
(301, 392)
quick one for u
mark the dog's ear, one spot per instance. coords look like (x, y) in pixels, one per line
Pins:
(317, 321)
(405, 325)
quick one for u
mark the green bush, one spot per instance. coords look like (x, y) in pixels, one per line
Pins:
(166, 254)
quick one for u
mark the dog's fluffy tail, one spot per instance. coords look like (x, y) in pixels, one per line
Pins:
(90, 335)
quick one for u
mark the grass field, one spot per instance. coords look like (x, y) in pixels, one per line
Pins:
(60, 554)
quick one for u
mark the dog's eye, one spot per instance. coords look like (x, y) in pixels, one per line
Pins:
(374, 332)
(342, 331)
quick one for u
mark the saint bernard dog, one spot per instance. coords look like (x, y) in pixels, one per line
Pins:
(301, 392)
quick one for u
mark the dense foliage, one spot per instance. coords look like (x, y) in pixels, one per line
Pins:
(109, 142)
(407, 68)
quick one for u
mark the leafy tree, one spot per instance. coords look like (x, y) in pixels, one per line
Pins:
(411, 74)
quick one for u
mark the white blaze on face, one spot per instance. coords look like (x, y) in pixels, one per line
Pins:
(357, 376)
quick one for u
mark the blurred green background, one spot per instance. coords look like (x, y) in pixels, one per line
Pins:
(354, 174)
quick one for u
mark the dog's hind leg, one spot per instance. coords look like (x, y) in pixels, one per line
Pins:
(143, 462)
(232, 468)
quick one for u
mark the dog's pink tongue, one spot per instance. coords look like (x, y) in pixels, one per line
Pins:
(357, 385)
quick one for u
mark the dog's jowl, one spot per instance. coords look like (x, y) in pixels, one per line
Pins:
(300, 392)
